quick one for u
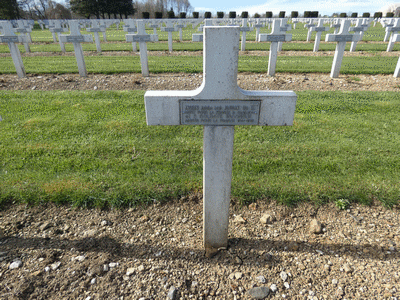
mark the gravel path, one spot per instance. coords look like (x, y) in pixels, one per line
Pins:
(156, 253)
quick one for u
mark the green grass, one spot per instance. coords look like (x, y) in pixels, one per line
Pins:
(95, 149)
(194, 64)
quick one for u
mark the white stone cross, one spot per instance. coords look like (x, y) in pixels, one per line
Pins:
(309, 27)
(284, 28)
(169, 27)
(196, 37)
(336, 25)
(96, 29)
(180, 26)
(274, 37)
(396, 38)
(396, 25)
(391, 29)
(141, 37)
(318, 29)
(57, 28)
(244, 28)
(26, 31)
(258, 25)
(130, 26)
(219, 104)
(341, 38)
(358, 33)
(154, 25)
(11, 38)
(76, 38)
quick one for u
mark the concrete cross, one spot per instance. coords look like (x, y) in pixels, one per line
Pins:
(284, 28)
(244, 28)
(104, 24)
(274, 37)
(11, 38)
(341, 38)
(396, 38)
(141, 37)
(95, 28)
(219, 104)
(258, 25)
(396, 25)
(391, 28)
(358, 31)
(56, 28)
(180, 26)
(199, 37)
(169, 27)
(154, 25)
(318, 29)
(76, 38)
(336, 25)
(130, 26)
(26, 31)
(309, 26)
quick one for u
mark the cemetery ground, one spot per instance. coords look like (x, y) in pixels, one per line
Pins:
(97, 205)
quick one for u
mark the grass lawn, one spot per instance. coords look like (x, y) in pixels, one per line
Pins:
(194, 64)
(89, 148)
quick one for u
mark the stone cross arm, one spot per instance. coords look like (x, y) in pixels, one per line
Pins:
(270, 108)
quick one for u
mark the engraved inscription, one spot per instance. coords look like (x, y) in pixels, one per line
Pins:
(219, 112)
(140, 38)
(275, 38)
(8, 39)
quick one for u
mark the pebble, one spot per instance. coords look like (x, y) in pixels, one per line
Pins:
(238, 275)
(80, 258)
(315, 227)
(267, 219)
(173, 293)
(55, 265)
(286, 285)
(258, 292)
(15, 264)
(273, 288)
(284, 276)
(239, 219)
(113, 265)
(347, 268)
(261, 279)
(2, 235)
(93, 281)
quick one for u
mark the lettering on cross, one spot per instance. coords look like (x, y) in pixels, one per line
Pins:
(219, 104)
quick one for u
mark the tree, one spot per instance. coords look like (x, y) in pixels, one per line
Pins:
(220, 14)
(294, 14)
(9, 9)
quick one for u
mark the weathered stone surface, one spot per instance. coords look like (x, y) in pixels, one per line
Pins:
(267, 218)
(315, 227)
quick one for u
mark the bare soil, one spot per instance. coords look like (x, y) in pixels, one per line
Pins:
(56, 252)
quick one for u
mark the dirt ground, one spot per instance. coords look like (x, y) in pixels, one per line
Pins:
(304, 252)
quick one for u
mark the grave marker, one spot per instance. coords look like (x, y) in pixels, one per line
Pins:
(392, 40)
(274, 37)
(219, 104)
(358, 31)
(76, 38)
(57, 29)
(141, 37)
(11, 38)
(169, 28)
(396, 38)
(26, 31)
(180, 26)
(318, 29)
(244, 28)
(96, 29)
(130, 26)
(309, 27)
(336, 25)
(258, 27)
(341, 38)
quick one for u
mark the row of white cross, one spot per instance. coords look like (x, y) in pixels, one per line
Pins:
(276, 37)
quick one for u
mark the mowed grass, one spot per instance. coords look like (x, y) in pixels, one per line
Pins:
(194, 64)
(95, 149)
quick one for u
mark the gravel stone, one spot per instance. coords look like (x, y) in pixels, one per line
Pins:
(172, 293)
(267, 219)
(15, 264)
(273, 288)
(315, 227)
(258, 292)
(284, 276)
